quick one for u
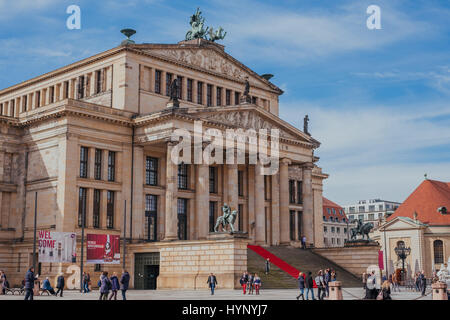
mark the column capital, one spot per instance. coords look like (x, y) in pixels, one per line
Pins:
(286, 161)
(308, 165)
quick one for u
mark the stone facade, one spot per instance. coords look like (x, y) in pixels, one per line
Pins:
(83, 138)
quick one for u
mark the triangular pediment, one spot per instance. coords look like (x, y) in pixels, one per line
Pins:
(252, 118)
(210, 59)
(401, 223)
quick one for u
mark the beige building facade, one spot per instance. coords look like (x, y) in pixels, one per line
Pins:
(89, 136)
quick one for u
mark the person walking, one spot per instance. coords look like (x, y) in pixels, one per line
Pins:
(114, 286)
(371, 291)
(320, 285)
(364, 280)
(301, 285)
(386, 290)
(243, 281)
(423, 282)
(124, 283)
(29, 283)
(86, 280)
(267, 266)
(257, 282)
(250, 283)
(304, 243)
(47, 286)
(309, 285)
(3, 281)
(212, 282)
(105, 286)
(60, 282)
(327, 280)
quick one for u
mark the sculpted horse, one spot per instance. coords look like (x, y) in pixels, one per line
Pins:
(362, 229)
(226, 220)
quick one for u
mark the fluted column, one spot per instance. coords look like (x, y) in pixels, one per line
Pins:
(171, 196)
(276, 209)
(260, 216)
(202, 201)
(308, 219)
(284, 201)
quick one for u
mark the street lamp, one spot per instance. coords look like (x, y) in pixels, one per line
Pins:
(402, 252)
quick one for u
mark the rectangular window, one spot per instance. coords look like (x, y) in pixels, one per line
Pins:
(219, 96)
(12, 107)
(209, 88)
(97, 267)
(212, 180)
(361, 217)
(338, 241)
(380, 207)
(182, 218)
(180, 87)
(299, 224)
(361, 209)
(291, 191)
(338, 230)
(38, 99)
(240, 217)
(371, 216)
(182, 176)
(110, 209)
(236, 98)
(299, 192)
(66, 89)
(158, 81)
(228, 97)
(25, 103)
(352, 210)
(325, 229)
(84, 162)
(98, 164)
(189, 90)
(241, 183)
(212, 215)
(332, 229)
(98, 82)
(168, 82)
(96, 213)
(151, 171)
(371, 208)
(151, 205)
(254, 100)
(292, 225)
(81, 87)
(111, 166)
(200, 92)
(82, 207)
(52, 94)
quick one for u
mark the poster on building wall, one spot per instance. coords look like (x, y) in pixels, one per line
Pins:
(57, 246)
(103, 249)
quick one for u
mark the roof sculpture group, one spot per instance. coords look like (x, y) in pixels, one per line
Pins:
(198, 30)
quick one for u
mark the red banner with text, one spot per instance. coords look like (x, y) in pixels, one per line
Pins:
(103, 249)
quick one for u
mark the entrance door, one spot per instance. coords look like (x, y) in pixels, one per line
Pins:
(150, 275)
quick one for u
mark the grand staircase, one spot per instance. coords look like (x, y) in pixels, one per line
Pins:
(287, 261)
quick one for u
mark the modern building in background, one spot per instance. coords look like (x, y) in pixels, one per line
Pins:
(335, 224)
(373, 210)
(421, 225)
(91, 135)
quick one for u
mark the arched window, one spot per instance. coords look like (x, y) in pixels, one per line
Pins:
(438, 248)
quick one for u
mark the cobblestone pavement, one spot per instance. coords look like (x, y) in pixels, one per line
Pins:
(220, 294)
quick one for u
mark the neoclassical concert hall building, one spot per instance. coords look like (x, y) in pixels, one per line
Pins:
(95, 134)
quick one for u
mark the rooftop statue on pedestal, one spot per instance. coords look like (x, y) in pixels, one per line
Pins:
(198, 31)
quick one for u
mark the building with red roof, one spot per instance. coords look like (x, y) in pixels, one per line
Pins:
(422, 225)
(335, 224)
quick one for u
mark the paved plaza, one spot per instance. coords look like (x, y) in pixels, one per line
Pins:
(225, 294)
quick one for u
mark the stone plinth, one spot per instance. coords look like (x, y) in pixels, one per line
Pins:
(227, 235)
(439, 291)
(173, 104)
(187, 264)
(360, 242)
(354, 259)
(335, 290)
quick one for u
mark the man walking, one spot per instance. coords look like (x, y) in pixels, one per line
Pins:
(124, 283)
(423, 282)
(212, 282)
(60, 285)
(301, 285)
(304, 243)
(29, 283)
(267, 266)
(309, 284)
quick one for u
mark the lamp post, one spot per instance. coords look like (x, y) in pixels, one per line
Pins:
(402, 252)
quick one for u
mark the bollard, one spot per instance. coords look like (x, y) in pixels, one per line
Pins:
(439, 290)
(335, 290)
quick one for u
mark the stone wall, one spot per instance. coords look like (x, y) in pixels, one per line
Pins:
(187, 264)
(353, 259)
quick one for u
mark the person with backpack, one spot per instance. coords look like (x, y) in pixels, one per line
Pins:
(320, 285)
(105, 286)
(371, 291)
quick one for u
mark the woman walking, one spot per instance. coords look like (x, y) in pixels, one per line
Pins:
(105, 286)
(257, 282)
(301, 285)
(114, 286)
(60, 285)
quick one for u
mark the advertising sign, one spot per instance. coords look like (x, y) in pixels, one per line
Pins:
(103, 249)
(57, 246)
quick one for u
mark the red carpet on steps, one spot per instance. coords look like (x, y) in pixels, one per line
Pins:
(286, 267)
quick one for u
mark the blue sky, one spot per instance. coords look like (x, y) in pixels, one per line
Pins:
(378, 100)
